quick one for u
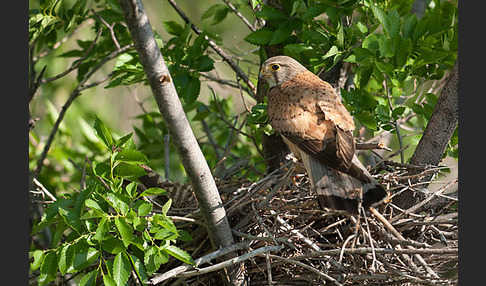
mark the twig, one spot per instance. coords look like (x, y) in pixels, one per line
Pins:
(296, 232)
(264, 238)
(44, 190)
(225, 82)
(368, 146)
(110, 28)
(216, 48)
(373, 267)
(230, 262)
(76, 63)
(234, 10)
(310, 268)
(269, 269)
(204, 259)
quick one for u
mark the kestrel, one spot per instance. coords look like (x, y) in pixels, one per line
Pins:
(318, 129)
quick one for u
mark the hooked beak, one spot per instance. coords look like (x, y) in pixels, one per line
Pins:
(264, 73)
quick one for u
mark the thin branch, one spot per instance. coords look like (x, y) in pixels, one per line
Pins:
(230, 262)
(368, 146)
(310, 268)
(110, 28)
(225, 82)
(217, 49)
(234, 10)
(204, 259)
(44, 190)
(296, 232)
(76, 63)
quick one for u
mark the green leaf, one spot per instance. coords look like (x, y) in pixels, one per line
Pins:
(120, 142)
(271, 14)
(409, 26)
(127, 170)
(390, 21)
(260, 37)
(362, 27)
(118, 202)
(384, 67)
(48, 268)
(66, 257)
(84, 257)
(125, 230)
(364, 76)
(367, 120)
(108, 280)
(203, 63)
(154, 191)
(102, 229)
(131, 157)
(103, 133)
(296, 49)
(165, 234)
(191, 90)
(38, 258)
(144, 209)
(331, 52)
(89, 279)
(93, 204)
(166, 207)
(112, 245)
(402, 52)
(139, 268)
(131, 189)
(153, 258)
(282, 33)
(121, 269)
(218, 12)
(173, 28)
(397, 112)
(340, 36)
(178, 253)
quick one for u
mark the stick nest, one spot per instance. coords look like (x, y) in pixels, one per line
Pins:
(382, 246)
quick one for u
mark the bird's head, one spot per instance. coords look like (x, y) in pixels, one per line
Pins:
(279, 69)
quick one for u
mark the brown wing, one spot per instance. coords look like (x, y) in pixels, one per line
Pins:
(324, 126)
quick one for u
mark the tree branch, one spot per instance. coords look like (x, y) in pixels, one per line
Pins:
(171, 109)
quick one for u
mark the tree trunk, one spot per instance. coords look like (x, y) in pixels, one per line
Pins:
(171, 109)
(437, 134)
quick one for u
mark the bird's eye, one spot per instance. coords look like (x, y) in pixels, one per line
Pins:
(275, 67)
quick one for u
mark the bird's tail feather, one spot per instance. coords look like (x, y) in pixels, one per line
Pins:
(341, 191)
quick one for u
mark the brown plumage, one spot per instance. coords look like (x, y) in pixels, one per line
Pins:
(318, 129)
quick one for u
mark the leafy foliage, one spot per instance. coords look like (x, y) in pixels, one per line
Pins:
(109, 227)
(382, 41)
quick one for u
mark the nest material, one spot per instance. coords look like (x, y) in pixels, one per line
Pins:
(384, 246)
